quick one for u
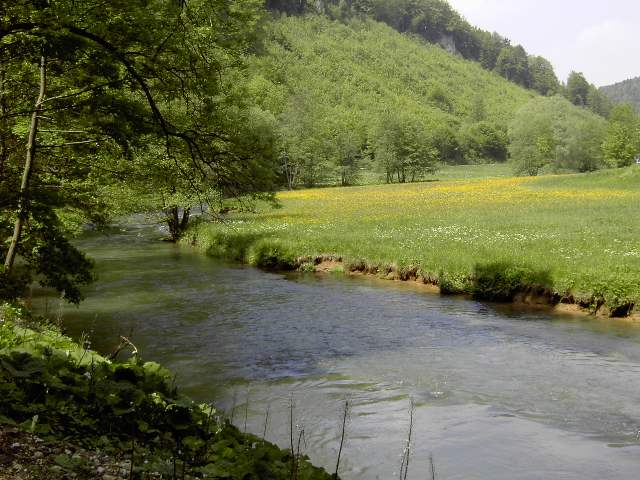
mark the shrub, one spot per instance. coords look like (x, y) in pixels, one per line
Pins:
(501, 281)
(271, 256)
(453, 283)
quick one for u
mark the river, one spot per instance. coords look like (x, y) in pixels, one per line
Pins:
(498, 393)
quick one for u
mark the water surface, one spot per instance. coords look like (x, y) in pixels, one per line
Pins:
(498, 394)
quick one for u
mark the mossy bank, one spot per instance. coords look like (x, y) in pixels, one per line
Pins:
(68, 412)
(561, 239)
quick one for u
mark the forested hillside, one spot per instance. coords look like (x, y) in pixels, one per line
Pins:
(438, 23)
(627, 91)
(360, 95)
(356, 99)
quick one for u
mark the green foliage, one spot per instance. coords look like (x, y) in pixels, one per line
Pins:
(55, 388)
(436, 22)
(271, 255)
(577, 89)
(403, 149)
(627, 91)
(622, 144)
(484, 142)
(512, 63)
(501, 281)
(144, 109)
(453, 283)
(543, 78)
(549, 133)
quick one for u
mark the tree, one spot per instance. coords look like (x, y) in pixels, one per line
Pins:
(577, 89)
(305, 148)
(88, 85)
(491, 46)
(622, 144)
(550, 133)
(403, 148)
(543, 78)
(512, 63)
(598, 102)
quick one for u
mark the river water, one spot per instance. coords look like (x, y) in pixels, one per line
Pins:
(498, 394)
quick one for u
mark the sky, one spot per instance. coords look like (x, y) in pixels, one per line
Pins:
(598, 38)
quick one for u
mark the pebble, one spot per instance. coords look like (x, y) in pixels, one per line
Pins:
(100, 470)
(38, 454)
(15, 445)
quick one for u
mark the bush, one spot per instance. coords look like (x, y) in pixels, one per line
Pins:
(501, 281)
(453, 283)
(271, 256)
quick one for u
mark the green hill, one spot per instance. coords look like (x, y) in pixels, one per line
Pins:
(335, 89)
(627, 91)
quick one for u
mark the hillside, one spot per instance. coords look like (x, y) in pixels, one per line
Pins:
(627, 91)
(335, 88)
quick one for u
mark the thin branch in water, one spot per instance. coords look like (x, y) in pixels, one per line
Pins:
(246, 410)
(406, 454)
(266, 422)
(293, 453)
(297, 457)
(124, 342)
(433, 467)
(345, 417)
(233, 405)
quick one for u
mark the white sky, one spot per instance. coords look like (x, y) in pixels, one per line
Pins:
(598, 38)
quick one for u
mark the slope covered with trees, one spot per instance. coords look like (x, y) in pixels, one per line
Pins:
(627, 91)
(438, 23)
(348, 97)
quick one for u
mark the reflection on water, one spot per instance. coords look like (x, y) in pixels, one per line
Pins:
(499, 394)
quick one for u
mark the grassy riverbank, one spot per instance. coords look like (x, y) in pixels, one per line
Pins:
(68, 412)
(572, 238)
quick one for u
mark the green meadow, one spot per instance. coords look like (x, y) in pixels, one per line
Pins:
(577, 235)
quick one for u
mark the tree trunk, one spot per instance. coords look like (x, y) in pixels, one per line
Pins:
(23, 202)
(177, 225)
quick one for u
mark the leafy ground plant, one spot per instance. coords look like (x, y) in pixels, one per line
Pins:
(58, 390)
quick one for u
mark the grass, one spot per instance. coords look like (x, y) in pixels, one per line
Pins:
(579, 232)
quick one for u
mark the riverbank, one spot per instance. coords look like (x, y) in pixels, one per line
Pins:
(563, 241)
(68, 412)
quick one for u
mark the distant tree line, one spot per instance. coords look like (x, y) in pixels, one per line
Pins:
(627, 91)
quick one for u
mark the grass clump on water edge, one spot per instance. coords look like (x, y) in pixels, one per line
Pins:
(61, 391)
(575, 228)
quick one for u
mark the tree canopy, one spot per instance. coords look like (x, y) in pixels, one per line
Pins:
(549, 134)
(108, 93)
